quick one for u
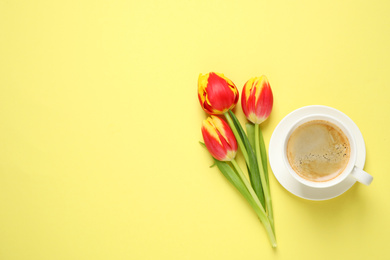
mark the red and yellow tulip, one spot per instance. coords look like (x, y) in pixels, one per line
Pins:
(219, 139)
(257, 99)
(217, 94)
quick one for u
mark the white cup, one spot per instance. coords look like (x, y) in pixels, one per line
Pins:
(350, 170)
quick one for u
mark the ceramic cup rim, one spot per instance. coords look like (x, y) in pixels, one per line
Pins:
(352, 159)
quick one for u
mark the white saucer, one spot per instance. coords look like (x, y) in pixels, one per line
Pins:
(280, 171)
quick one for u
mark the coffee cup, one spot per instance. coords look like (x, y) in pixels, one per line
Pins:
(319, 151)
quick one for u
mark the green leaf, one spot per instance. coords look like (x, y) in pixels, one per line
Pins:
(254, 174)
(233, 178)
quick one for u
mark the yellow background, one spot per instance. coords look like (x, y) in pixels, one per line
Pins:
(100, 123)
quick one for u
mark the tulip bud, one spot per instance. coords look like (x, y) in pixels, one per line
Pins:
(257, 99)
(217, 94)
(219, 139)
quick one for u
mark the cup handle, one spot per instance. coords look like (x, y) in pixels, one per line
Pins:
(361, 176)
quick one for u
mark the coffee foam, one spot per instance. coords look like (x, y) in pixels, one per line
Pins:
(318, 151)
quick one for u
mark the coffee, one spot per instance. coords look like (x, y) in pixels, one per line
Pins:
(318, 151)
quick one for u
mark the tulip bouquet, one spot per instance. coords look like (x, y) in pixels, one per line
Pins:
(218, 95)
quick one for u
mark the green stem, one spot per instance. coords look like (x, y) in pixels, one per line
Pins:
(266, 189)
(264, 159)
(239, 141)
(258, 207)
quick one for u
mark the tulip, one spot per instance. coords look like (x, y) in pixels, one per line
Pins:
(217, 94)
(257, 99)
(219, 139)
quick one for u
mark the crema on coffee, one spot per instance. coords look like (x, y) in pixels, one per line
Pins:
(318, 151)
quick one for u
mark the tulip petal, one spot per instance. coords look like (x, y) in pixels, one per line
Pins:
(264, 101)
(219, 93)
(225, 132)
